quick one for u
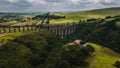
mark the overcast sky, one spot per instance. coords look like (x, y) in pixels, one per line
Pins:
(54, 5)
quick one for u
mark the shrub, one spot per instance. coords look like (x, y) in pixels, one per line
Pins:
(117, 64)
(14, 55)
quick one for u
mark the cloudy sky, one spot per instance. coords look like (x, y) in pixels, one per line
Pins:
(54, 5)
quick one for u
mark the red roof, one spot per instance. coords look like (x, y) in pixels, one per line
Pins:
(77, 41)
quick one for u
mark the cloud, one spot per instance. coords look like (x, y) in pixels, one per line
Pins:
(110, 2)
(12, 1)
(37, 1)
(14, 5)
(54, 0)
(55, 5)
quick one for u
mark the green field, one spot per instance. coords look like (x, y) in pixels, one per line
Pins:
(104, 57)
(72, 16)
(6, 37)
(83, 15)
(118, 24)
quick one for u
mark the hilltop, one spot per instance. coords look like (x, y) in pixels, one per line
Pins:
(24, 18)
(83, 15)
(103, 58)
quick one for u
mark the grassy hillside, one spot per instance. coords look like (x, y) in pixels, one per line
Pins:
(27, 50)
(10, 36)
(83, 15)
(71, 16)
(104, 57)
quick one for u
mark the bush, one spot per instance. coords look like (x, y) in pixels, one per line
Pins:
(70, 56)
(108, 17)
(117, 64)
(28, 51)
(88, 50)
(14, 55)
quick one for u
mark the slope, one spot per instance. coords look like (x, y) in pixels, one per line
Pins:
(104, 57)
(83, 15)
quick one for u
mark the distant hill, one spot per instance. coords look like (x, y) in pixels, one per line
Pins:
(97, 12)
(83, 15)
(76, 16)
(106, 11)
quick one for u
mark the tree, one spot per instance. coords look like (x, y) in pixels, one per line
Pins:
(64, 64)
(41, 45)
(14, 55)
(117, 64)
(2, 20)
(42, 21)
(48, 21)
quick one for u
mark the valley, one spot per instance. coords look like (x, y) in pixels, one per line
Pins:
(98, 29)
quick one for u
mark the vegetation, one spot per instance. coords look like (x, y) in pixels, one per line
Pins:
(103, 57)
(117, 64)
(47, 16)
(14, 55)
(70, 55)
(45, 50)
(39, 49)
(57, 18)
(32, 49)
(84, 15)
(102, 32)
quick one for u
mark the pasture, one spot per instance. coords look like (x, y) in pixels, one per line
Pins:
(69, 16)
(103, 58)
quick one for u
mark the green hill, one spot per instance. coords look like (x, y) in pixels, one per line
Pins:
(45, 49)
(83, 15)
(69, 16)
(104, 57)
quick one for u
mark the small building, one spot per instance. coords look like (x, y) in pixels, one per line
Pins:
(77, 42)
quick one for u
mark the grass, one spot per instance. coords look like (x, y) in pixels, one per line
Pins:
(8, 23)
(110, 19)
(118, 24)
(74, 16)
(83, 15)
(6, 37)
(104, 57)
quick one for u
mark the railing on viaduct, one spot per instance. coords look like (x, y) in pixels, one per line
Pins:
(61, 30)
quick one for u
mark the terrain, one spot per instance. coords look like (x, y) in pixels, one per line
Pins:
(70, 16)
(99, 29)
(104, 57)
(83, 15)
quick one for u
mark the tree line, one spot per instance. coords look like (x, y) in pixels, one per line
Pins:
(39, 50)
